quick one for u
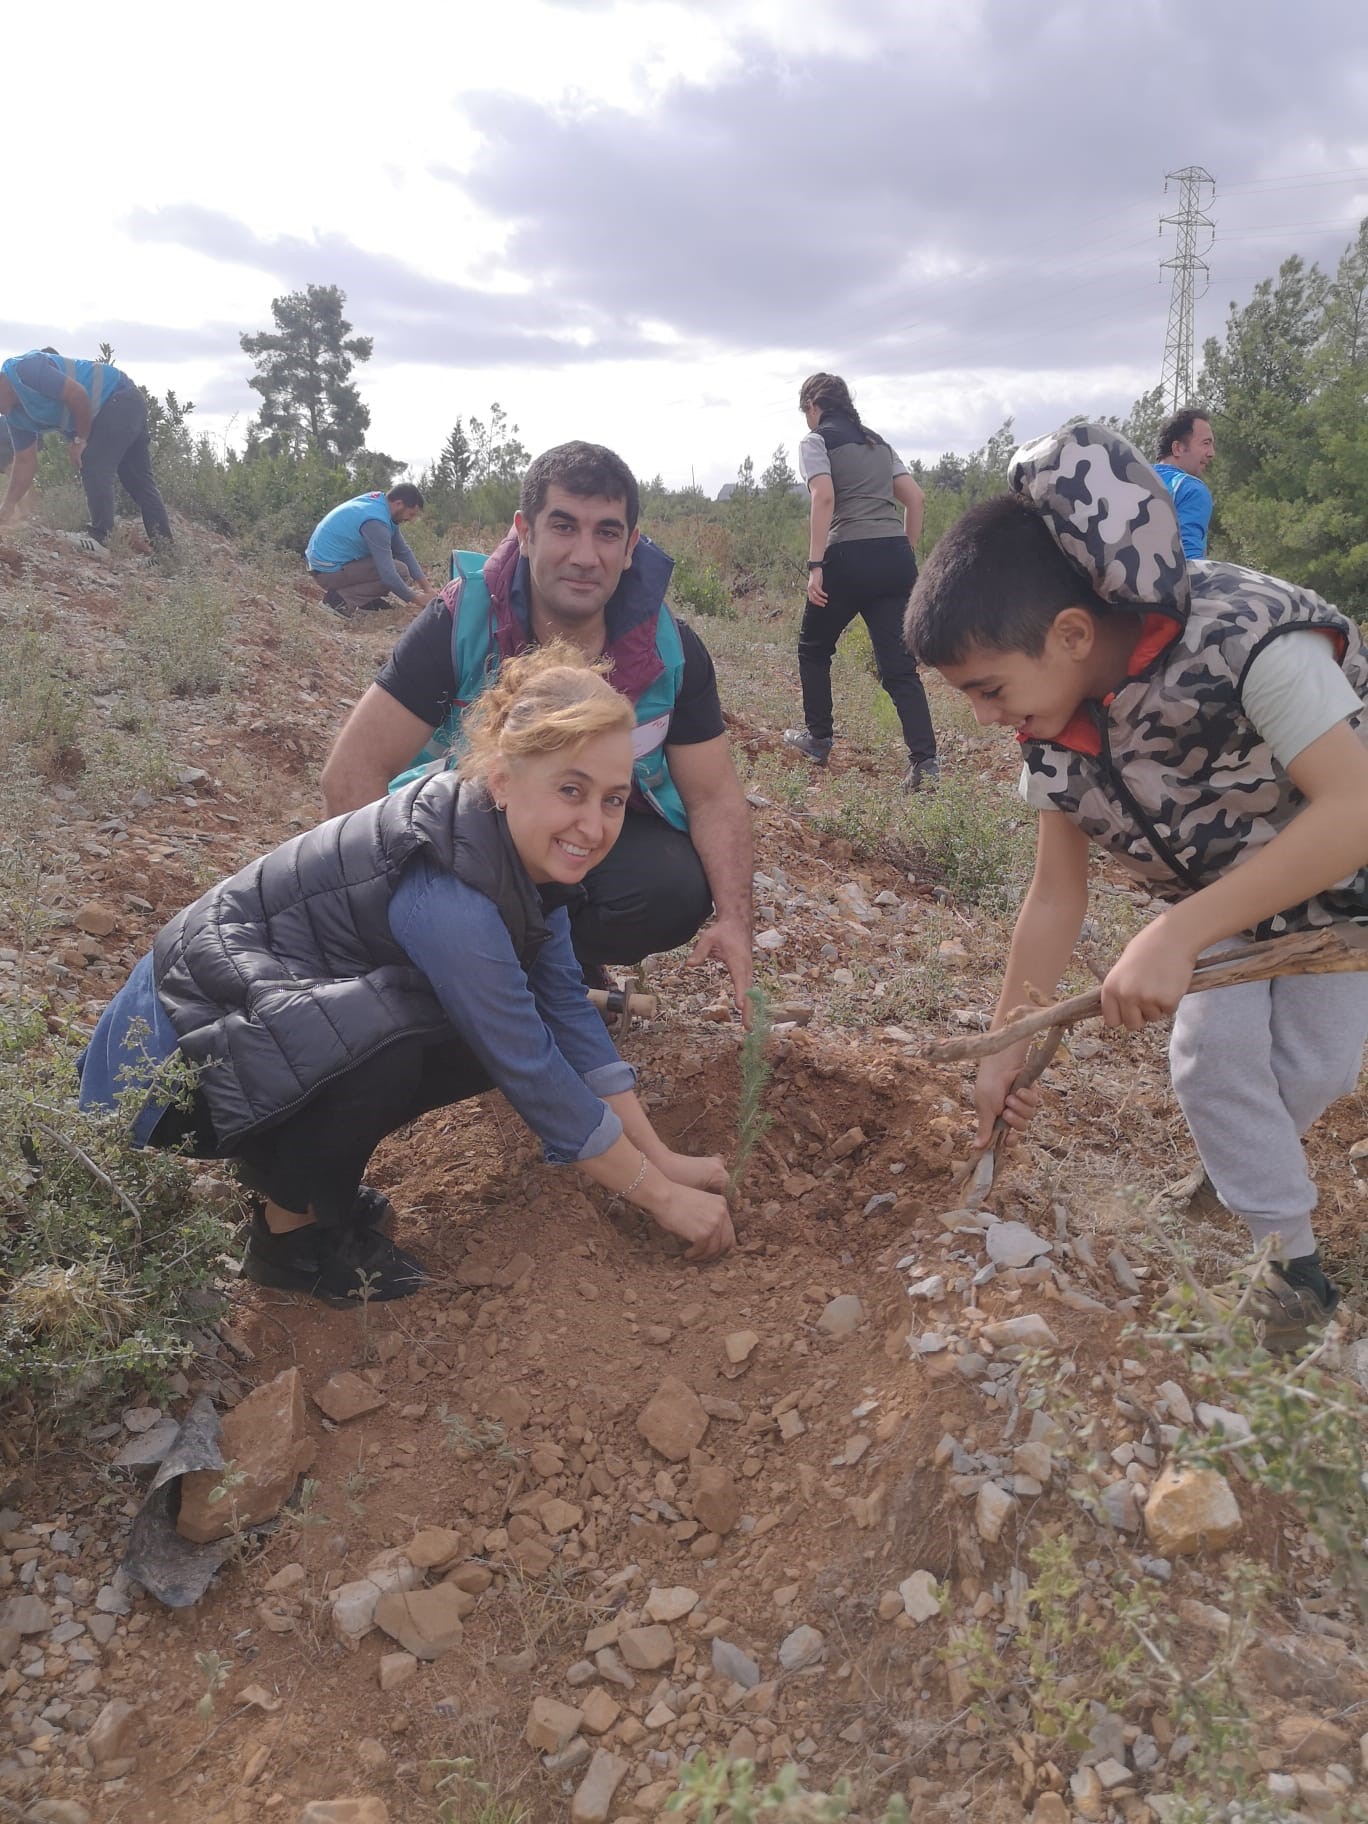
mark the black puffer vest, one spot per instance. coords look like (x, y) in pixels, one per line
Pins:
(286, 975)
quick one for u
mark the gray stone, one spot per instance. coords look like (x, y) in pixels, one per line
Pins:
(1121, 1505)
(146, 1449)
(805, 1646)
(26, 1615)
(1012, 1244)
(731, 1663)
(842, 1316)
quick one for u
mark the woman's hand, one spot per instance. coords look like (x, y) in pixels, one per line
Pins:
(816, 594)
(703, 1172)
(699, 1217)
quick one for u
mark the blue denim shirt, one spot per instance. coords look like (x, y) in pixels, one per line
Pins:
(536, 1033)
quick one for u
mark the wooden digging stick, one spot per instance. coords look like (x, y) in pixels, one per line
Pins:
(1300, 953)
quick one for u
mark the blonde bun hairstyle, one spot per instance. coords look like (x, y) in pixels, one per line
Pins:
(539, 703)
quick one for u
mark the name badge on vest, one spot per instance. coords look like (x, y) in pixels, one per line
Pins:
(648, 736)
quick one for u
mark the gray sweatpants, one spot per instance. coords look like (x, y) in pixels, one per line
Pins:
(1253, 1067)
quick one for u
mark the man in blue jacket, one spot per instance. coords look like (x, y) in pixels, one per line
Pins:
(355, 551)
(1185, 447)
(103, 417)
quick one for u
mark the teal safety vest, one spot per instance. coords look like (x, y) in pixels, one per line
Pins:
(97, 379)
(475, 660)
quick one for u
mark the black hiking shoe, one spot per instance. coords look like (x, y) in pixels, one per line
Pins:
(816, 750)
(339, 1266)
(922, 776)
(335, 604)
(372, 1210)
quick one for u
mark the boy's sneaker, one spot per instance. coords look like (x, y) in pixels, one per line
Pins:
(922, 776)
(338, 1266)
(1292, 1306)
(819, 752)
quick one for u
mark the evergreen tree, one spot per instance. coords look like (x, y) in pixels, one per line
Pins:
(779, 477)
(452, 472)
(304, 367)
(745, 480)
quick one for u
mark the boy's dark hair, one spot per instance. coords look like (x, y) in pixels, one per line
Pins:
(406, 495)
(1178, 429)
(584, 469)
(996, 580)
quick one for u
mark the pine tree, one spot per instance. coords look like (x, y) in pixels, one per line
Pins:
(454, 464)
(779, 477)
(745, 480)
(304, 367)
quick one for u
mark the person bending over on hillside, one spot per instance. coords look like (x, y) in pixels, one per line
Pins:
(575, 567)
(1185, 447)
(1206, 728)
(355, 551)
(401, 958)
(103, 417)
(865, 520)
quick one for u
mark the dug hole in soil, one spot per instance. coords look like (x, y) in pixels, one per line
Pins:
(672, 1508)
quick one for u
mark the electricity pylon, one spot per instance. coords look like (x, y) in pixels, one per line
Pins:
(1193, 226)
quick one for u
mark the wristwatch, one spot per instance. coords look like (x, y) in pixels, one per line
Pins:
(816, 563)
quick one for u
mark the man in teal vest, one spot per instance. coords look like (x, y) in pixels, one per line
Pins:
(575, 567)
(355, 551)
(103, 417)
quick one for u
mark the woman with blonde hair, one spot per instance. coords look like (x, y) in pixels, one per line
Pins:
(865, 519)
(401, 958)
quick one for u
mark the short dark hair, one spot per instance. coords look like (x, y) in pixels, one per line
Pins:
(406, 495)
(583, 469)
(1178, 429)
(995, 580)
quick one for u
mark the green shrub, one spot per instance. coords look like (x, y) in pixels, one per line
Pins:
(182, 636)
(103, 1247)
(696, 588)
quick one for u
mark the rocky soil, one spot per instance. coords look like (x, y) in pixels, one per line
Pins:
(580, 1512)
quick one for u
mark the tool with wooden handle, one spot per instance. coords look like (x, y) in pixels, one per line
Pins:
(625, 1002)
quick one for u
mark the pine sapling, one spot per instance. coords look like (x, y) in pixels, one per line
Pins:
(752, 1120)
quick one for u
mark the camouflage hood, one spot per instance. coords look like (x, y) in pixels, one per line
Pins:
(1110, 515)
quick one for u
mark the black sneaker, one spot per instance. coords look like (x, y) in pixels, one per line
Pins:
(816, 750)
(338, 1266)
(922, 776)
(335, 604)
(372, 1210)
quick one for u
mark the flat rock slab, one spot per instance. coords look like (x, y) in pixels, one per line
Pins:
(345, 1811)
(426, 1623)
(1012, 1244)
(593, 1800)
(264, 1440)
(345, 1396)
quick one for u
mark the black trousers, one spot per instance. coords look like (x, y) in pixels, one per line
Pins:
(649, 894)
(871, 577)
(317, 1158)
(118, 446)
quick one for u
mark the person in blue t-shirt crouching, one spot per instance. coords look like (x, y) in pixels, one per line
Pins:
(103, 417)
(356, 549)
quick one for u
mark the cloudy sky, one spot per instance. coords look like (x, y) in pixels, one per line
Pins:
(643, 222)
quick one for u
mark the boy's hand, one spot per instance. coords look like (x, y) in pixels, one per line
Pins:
(993, 1097)
(1150, 977)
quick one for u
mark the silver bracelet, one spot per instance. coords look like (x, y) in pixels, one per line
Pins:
(641, 1173)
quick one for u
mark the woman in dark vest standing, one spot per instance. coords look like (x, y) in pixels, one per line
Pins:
(401, 958)
(865, 520)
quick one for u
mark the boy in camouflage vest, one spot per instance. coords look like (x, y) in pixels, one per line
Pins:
(1204, 725)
